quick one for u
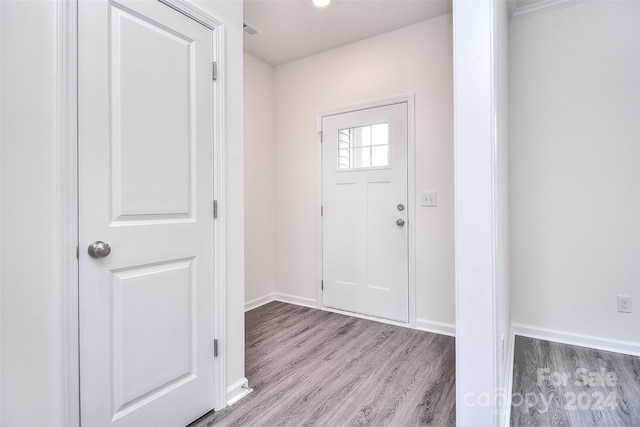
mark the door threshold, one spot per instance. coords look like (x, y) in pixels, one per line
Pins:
(367, 317)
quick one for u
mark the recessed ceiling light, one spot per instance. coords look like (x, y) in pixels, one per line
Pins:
(321, 3)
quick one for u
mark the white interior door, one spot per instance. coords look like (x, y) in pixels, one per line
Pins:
(145, 189)
(364, 229)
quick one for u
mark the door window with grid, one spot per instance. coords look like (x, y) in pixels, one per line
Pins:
(363, 147)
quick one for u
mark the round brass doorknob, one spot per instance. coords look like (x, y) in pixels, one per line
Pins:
(99, 249)
(400, 222)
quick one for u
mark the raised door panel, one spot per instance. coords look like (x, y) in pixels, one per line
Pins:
(153, 331)
(153, 121)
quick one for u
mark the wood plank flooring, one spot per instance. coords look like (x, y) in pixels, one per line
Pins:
(562, 385)
(310, 367)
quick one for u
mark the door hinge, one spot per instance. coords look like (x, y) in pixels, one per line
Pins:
(215, 71)
(215, 347)
(320, 136)
(322, 285)
(215, 209)
(321, 210)
(77, 251)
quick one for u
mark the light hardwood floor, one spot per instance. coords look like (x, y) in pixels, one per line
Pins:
(562, 385)
(310, 367)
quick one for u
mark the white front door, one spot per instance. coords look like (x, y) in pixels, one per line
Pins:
(145, 99)
(364, 226)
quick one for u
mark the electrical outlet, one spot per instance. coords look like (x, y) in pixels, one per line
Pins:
(624, 304)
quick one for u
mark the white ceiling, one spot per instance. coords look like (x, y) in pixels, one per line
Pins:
(293, 29)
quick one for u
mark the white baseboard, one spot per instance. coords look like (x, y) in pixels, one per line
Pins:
(436, 327)
(260, 301)
(292, 299)
(277, 296)
(236, 391)
(598, 343)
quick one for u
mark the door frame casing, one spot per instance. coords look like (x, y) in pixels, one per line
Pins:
(67, 219)
(411, 208)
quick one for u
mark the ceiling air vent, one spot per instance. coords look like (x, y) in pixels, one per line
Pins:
(250, 30)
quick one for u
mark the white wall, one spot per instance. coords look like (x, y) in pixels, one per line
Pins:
(416, 59)
(30, 338)
(31, 383)
(575, 183)
(259, 179)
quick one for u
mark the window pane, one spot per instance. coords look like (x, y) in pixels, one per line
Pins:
(344, 138)
(344, 159)
(362, 157)
(380, 134)
(363, 146)
(380, 156)
(362, 136)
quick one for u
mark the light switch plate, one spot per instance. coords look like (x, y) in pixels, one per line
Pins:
(429, 199)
